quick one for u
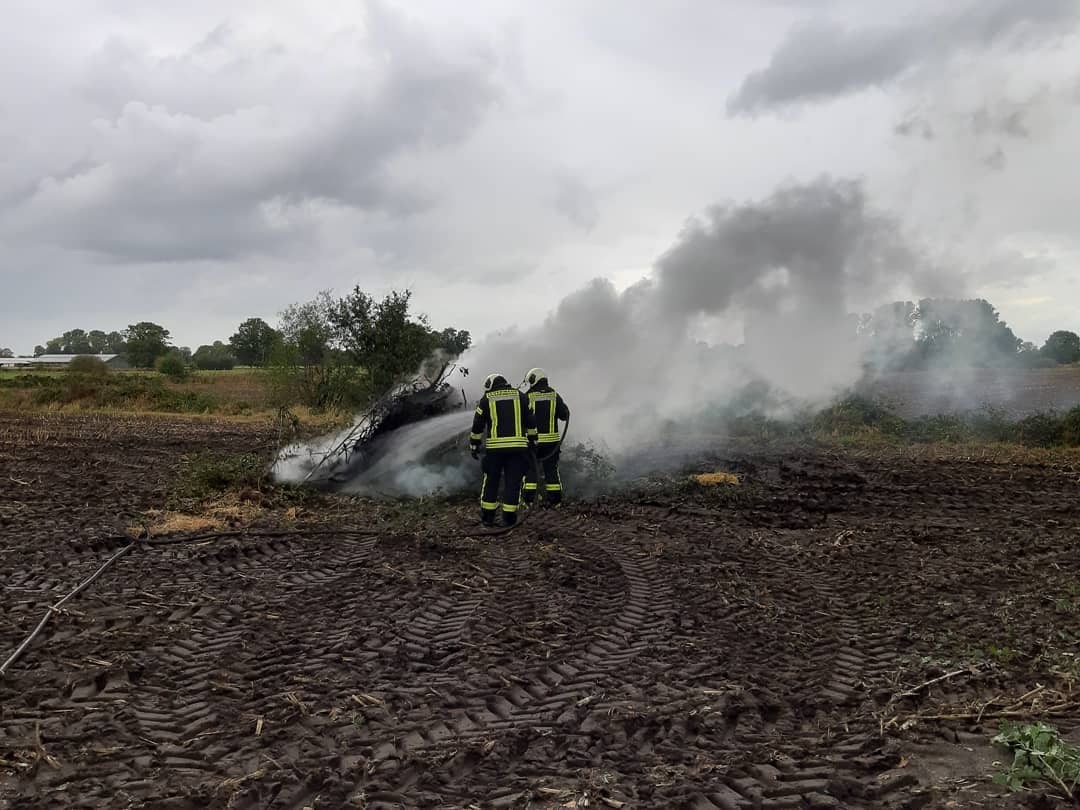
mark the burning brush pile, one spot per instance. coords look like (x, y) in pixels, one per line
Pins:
(412, 441)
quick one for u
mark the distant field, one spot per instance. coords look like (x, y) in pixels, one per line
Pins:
(1016, 392)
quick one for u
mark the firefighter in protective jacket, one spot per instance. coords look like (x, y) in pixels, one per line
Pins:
(548, 409)
(504, 413)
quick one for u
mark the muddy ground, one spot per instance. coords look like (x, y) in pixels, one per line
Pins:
(792, 642)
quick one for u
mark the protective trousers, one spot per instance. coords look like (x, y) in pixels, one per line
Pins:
(507, 467)
(548, 456)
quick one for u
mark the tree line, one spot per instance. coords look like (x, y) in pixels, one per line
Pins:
(319, 345)
(329, 351)
(949, 333)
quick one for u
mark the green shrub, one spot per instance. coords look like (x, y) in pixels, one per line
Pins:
(855, 414)
(945, 428)
(121, 392)
(1070, 428)
(1040, 430)
(172, 365)
(88, 365)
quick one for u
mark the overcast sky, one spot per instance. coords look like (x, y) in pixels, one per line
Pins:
(203, 162)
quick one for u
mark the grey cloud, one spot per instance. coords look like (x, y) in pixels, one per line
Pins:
(194, 166)
(823, 60)
(577, 202)
(996, 160)
(914, 125)
(1010, 122)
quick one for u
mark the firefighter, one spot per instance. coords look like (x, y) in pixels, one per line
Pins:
(504, 413)
(548, 409)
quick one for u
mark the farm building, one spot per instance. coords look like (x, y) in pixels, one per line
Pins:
(60, 361)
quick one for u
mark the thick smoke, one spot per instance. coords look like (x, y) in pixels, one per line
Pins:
(786, 272)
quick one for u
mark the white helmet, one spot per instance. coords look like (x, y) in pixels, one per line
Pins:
(493, 380)
(535, 375)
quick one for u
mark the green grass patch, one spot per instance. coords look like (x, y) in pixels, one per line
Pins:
(207, 474)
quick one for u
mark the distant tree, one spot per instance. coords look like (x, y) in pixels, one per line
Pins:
(98, 341)
(215, 357)
(115, 343)
(78, 341)
(39, 350)
(185, 352)
(952, 332)
(1062, 347)
(6, 353)
(253, 342)
(145, 343)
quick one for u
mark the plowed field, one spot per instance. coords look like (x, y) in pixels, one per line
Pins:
(839, 630)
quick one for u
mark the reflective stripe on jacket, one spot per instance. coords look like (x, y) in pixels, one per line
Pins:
(506, 415)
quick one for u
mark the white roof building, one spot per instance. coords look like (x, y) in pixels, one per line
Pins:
(114, 360)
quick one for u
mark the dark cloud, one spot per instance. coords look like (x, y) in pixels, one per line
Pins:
(225, 150)
(823, 60)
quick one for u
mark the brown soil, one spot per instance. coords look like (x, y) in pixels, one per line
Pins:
(677, 647)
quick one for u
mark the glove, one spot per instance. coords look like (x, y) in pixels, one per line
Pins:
(474, 451)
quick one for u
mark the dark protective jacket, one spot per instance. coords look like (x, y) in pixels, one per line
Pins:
(505, 414)
(548, 408)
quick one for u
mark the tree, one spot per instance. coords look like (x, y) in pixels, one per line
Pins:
(253, 342)
(306, 329)
(307, 365)
(77, 341)
(6, 353)
(381, 336)
(39, 350)
(115, 343)
(954, 332)
(216, 357)
(98, 340)
(145, 343)
(1062, 347)
(454, 342)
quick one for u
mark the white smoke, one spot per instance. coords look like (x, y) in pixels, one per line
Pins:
(787, 272)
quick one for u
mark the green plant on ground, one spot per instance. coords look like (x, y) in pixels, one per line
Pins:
(207, 474)
(1040, 758)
